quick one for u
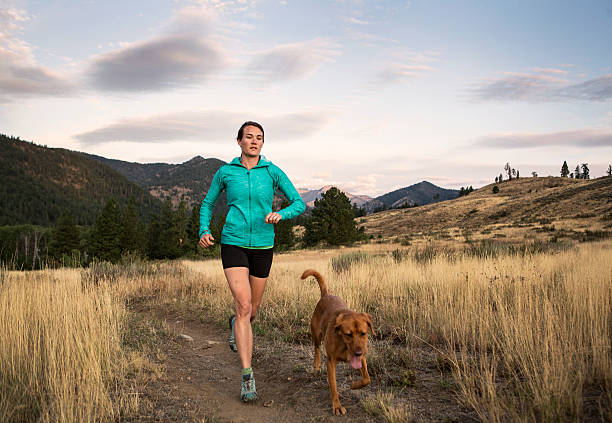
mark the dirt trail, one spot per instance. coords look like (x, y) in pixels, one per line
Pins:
(201, 382)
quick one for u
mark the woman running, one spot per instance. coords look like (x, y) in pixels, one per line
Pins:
(247, 239)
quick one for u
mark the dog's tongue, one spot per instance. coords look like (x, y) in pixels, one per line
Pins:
(355, 362)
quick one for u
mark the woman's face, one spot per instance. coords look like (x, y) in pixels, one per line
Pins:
(251, 142)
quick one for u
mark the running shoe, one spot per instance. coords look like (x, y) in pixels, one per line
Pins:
(248, 392)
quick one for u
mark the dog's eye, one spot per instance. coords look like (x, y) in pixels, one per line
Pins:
(350, 334)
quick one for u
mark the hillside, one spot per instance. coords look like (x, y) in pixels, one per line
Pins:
(558, 206)
(191, 178)
(417, 194)
(39, 183)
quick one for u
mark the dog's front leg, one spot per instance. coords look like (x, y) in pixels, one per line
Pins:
(331, 380)
(317, 360)
(365, 377)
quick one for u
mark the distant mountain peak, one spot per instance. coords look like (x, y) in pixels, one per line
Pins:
(310, 195)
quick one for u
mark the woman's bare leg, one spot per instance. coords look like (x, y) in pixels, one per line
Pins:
(238, 280)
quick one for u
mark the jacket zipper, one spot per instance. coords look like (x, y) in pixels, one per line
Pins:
(250, 216)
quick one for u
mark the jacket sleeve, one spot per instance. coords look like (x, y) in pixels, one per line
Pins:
(296, 204)
(209, 202)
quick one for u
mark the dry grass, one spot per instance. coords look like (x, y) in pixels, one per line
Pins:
(60, 356)
(527, 335)
(525, 332)
(567, 203)
(384, 405)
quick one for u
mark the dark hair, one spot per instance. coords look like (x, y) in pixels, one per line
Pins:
(249, 123)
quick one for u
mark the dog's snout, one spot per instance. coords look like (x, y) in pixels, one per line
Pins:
(359, 353)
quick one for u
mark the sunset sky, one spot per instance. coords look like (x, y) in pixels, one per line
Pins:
(370, 96)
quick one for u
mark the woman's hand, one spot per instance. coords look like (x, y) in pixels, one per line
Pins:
(207, 240)
(273, 218)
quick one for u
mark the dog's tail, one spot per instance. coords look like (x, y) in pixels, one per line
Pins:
(312, 272)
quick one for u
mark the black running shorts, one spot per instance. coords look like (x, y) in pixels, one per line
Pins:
(257, 261)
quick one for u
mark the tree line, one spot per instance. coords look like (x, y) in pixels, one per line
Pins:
(173, 233)
(581, 171)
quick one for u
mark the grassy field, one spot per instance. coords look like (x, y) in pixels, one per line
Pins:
(524, 330)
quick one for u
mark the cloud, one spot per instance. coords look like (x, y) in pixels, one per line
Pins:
(585, 138)
(361, 184)
(210, 126)
(404, 67)
(401, 73)
(227, 6)
(544, 86)
(158, 64)
(356, 21)
(599, 89)
(291, 61)
(19, 74)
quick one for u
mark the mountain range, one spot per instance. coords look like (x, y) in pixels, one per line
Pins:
(40, 182)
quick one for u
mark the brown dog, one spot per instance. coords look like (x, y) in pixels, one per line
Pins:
(346, 338)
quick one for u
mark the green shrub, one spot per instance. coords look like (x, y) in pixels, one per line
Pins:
(343, 262)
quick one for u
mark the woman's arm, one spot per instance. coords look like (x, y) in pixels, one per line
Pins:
(209, 202)
(296, 206)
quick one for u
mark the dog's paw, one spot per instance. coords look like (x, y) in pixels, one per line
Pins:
(360, 384)
(339, 410)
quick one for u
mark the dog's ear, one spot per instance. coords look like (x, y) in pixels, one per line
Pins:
(368, 319)
(338, 324)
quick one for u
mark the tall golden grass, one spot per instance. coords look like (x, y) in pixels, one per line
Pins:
(60, 351)
(527, 334)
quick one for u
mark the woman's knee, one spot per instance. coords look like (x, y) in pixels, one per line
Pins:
(243, 309)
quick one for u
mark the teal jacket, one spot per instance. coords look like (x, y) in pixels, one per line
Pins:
(249, 199)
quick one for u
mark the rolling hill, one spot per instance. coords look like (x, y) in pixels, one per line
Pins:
(559, 206)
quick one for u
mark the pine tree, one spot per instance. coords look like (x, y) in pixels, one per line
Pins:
(193, 231)
(65, 236)
(154, 248)
(508, 170)
(577, 173)
(169, 236)
(131, 239)
(564, 170)
(331, 220)
(609, 171)
(283, 232)
(585, 171)
(106, 234)
(181, 220)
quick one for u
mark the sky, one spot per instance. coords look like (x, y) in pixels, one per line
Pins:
(370, 96)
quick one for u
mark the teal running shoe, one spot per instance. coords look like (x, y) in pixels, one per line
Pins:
(248, 392)
(232, 338)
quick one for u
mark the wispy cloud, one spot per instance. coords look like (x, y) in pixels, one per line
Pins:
(396, 72)
(355, 21)
(543, 85)
(227, 6)
(404, 67)
(20, 75)
(209, 126)
(292, 61)
(583, 138)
